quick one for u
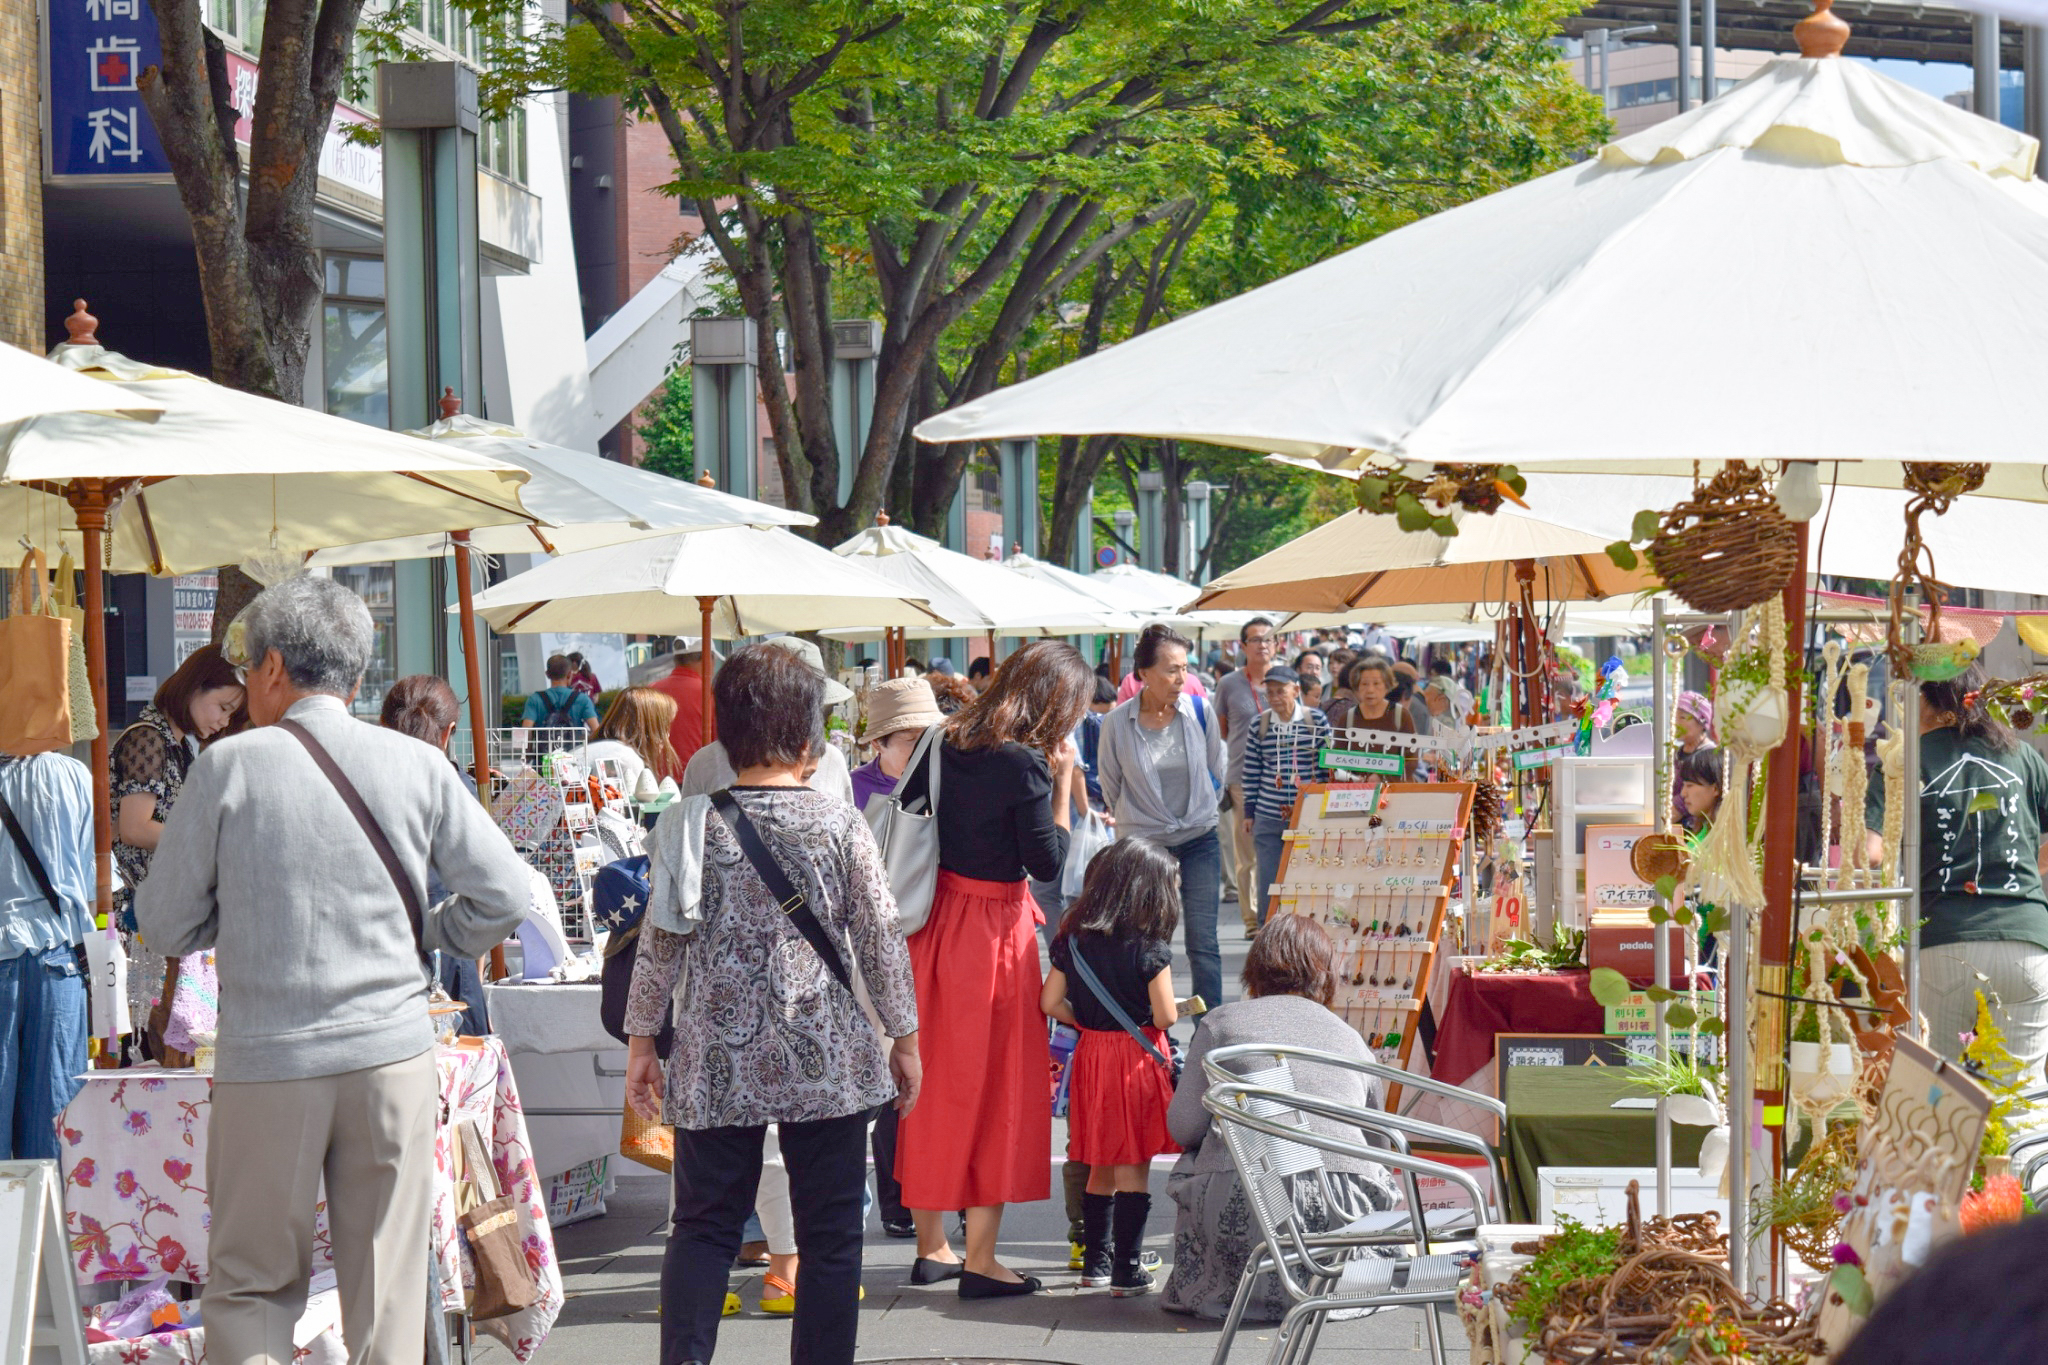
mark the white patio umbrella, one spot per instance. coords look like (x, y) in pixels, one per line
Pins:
(1862, 271)
(219, 477)
(721, 584)
(979, 595)
(31, 386)
(578, 501)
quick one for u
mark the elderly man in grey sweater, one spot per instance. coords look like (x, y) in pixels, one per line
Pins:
(324, 1064)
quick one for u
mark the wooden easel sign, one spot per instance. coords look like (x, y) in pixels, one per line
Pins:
(39, 1314)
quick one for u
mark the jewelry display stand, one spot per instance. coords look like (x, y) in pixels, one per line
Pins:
(1373, 864)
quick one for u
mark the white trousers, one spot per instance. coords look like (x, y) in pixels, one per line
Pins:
(2014, 979)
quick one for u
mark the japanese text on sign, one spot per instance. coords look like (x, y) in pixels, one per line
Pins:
(97, 50)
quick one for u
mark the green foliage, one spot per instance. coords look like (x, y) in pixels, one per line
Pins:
(1608, 986)
(1573, 1253)
(664, 425)
(1567, 949)
(1679, 1075)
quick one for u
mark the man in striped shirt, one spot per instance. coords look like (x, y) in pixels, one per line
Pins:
(1280, 755)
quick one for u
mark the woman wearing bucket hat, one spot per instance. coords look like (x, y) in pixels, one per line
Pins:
(898, 712)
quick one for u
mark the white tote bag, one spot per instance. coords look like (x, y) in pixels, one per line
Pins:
(908, 835)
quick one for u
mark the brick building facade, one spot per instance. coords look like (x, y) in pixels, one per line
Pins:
(21, 180)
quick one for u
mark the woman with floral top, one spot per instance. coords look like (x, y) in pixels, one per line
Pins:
(764, 1032)
(200, 701)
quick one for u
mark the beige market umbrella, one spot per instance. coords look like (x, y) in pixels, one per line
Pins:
(721, 584)
(578, 502)
(31, 386)
(219, 477)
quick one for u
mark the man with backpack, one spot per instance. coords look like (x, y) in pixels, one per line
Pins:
(559, 705)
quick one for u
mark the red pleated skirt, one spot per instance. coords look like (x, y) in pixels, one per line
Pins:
(981, 1132)
(1117, 1114)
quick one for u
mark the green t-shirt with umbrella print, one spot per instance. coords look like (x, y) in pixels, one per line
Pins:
(1982, 813)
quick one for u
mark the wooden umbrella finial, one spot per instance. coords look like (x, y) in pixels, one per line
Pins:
(1822, 33)
(705, 480)
(81, 325)
(450, 404)
(881, 518)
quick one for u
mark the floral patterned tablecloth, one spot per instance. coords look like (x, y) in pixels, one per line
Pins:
(135, 1169)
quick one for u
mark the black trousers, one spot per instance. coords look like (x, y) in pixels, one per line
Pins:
(716, 1172)
(888, 1193)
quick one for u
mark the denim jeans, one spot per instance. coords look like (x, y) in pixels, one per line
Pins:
(42, 1049)
(1267, 838)
(1201, 870)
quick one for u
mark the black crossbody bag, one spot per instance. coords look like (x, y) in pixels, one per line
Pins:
(787, 896)
(1117, 1012)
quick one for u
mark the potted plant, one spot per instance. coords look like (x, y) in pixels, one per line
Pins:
(1817, 1078)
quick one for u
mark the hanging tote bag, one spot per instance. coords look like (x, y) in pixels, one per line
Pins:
(908, 835)
(35, 666)
(85, 720)
(489, 1220)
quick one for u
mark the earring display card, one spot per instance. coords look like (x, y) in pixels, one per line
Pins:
(1374, 865)
(1914, 1161)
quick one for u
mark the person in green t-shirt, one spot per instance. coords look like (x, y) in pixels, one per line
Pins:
(1983, 811)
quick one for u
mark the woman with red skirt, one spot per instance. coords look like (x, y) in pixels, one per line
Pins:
(981, 1135)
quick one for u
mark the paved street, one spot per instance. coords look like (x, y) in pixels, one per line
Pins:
(612, 1269)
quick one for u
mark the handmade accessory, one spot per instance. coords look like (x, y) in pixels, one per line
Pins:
(908, 836)
(1934, 488)
(85, 722)
(489, 1220)
(1728, 546)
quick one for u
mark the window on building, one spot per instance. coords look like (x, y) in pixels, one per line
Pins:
(240, 21)
(377, 585)
(353, 342)
(501, 146)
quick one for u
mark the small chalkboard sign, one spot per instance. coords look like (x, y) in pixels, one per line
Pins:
(39, 1315)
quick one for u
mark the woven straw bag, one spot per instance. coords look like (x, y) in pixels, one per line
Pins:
(1727, 546)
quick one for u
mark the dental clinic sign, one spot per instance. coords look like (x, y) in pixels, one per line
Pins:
(94, 52)
(94, 55)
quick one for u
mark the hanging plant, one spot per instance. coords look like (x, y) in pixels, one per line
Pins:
(1728, 546)
(1425, 504)
(1934, 488)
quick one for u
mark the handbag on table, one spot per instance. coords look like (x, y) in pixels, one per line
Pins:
(908, 836)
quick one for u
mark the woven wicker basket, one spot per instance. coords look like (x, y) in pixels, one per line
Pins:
(1660, 855)
(1728, 546)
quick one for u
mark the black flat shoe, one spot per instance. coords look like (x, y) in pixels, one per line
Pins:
(923, 1271)
(973, 1286)
(900, 1231)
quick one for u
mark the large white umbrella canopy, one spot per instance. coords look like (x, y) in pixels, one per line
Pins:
(1820, 264)
(1360, 562)
(1146, 589)
(764, 581)
(209, 480)
(580, 501)
(976, 595)
(31, 386)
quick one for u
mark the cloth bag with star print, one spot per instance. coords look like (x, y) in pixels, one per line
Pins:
(618, 904)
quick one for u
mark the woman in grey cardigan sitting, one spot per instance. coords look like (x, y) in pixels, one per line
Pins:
(1290, 977)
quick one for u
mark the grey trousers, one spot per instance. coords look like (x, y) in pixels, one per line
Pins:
(1241, 858)
(2014, 979)
(371, 1134)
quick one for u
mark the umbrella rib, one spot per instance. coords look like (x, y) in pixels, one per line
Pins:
(539, 537)
(156, 551)
(526, 613)
(435, 483)
(1366, 587)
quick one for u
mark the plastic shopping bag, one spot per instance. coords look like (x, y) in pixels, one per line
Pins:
(1089, 838)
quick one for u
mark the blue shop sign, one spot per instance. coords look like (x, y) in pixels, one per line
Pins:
(94, 55)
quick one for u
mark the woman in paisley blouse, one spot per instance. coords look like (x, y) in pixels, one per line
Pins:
(764, 1033)
(200, 701)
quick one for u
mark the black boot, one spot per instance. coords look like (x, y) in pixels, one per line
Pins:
(1095, 1252)
(1128, 1278)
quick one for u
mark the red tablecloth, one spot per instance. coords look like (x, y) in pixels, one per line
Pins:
(1482, 1004)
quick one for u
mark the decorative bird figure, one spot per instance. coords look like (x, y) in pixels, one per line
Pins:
(1940, 661)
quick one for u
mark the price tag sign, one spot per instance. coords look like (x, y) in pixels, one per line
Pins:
(1354, 761)
(1526, 759)
(1353, 800)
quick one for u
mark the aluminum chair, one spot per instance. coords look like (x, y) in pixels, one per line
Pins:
(1269, 1144)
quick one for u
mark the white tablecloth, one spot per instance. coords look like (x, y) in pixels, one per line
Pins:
(552, 1035)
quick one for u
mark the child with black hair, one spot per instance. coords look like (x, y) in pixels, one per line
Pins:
(1119, 931)
(1699, 787)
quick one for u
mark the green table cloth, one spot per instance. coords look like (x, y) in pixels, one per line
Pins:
(1564, 1116)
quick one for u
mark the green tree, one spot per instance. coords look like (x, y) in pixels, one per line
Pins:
(664, 428)
(962, 168)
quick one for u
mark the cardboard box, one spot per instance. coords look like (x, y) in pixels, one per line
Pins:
(1625, 943)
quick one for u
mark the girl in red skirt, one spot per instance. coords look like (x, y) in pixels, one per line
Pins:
(1121, 931)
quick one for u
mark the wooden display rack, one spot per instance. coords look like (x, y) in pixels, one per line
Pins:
(1373, 863)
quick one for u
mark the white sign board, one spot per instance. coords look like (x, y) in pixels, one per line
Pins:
(40, 1321)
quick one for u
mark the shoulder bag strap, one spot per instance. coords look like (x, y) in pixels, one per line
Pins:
(777, 881)
(1108, 1002)
(387, 855)
(926, 753)
(29, 855)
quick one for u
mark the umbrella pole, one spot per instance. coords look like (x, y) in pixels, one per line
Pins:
(710, 727)
(89, 499)
(479, 735)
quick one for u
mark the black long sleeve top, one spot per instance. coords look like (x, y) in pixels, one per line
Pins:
(995, 814)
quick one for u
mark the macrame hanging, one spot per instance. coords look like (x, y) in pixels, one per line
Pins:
(1933, 488)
